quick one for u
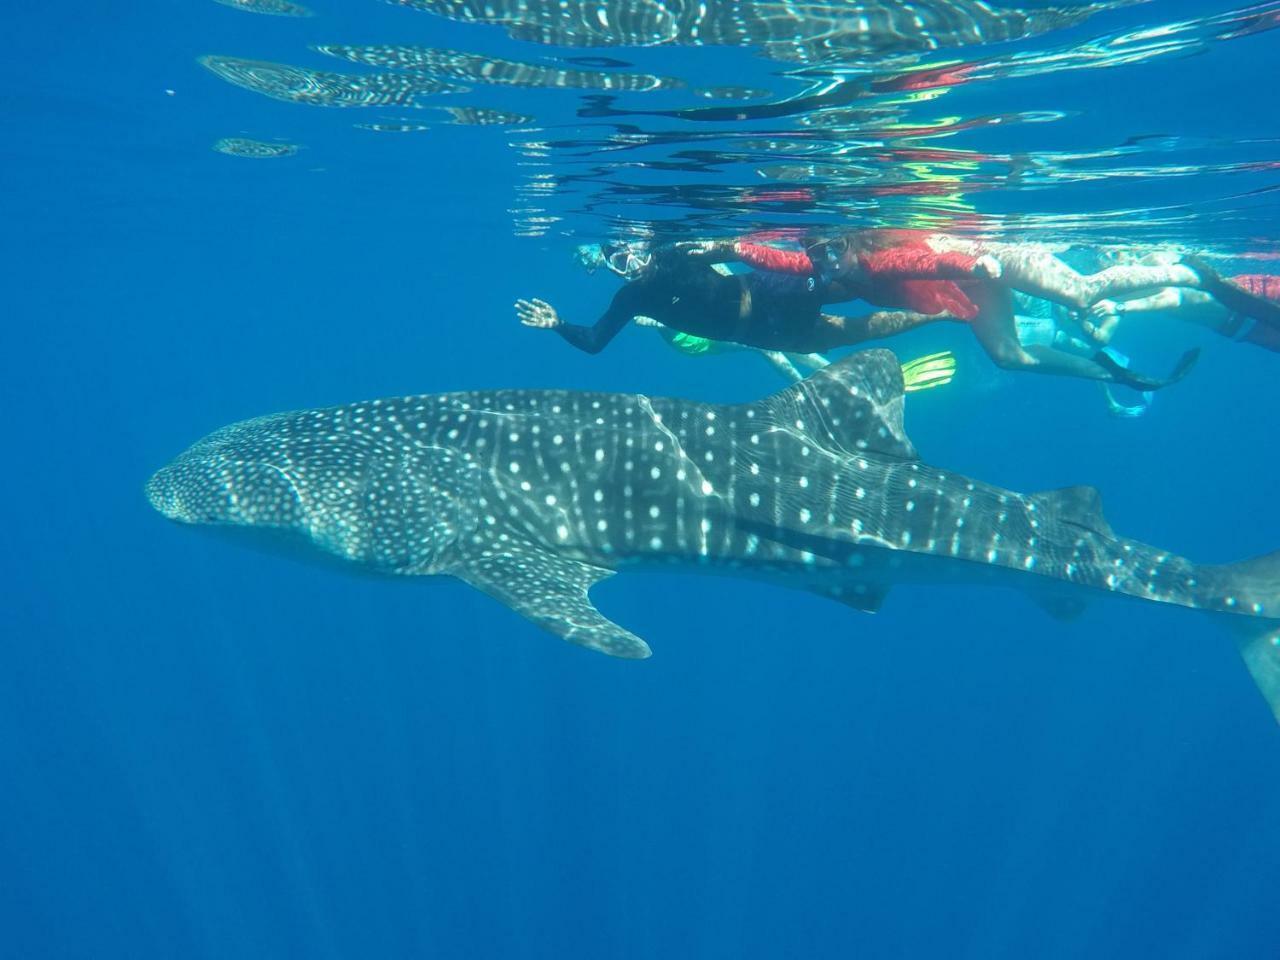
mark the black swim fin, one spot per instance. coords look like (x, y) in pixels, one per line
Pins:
(1233, 296)
(1141, 382)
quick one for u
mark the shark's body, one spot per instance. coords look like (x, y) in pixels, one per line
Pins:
(534, 496)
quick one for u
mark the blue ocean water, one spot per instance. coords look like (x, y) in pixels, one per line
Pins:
(211, 752)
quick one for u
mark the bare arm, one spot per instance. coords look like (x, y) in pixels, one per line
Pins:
(712, 251)
(887, 323)
(782, 363)
(814, 361)
(1106, 314)
(756, 255)
(1170, 298)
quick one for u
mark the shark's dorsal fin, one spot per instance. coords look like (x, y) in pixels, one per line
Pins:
(1081, 506)
(551, 591)
(853, 405)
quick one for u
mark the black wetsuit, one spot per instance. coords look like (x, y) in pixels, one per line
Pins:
(772, 311)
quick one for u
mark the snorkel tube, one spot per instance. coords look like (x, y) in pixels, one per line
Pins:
(590, 256)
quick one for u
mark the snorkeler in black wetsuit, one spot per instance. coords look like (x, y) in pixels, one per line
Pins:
(680, 287)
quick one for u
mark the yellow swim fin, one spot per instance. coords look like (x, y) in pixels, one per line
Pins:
(925, 373)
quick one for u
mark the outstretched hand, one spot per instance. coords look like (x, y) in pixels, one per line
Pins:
(538, 313)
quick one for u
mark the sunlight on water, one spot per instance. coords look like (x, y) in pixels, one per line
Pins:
(865, 114)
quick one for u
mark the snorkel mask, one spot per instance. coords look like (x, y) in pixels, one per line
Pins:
(628, 259)
(827, 254)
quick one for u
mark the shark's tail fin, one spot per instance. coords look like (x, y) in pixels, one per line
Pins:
(1253, 587)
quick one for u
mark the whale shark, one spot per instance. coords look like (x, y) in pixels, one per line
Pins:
(534, 496)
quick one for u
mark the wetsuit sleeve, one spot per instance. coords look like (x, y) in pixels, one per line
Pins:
(760, 257)
(595, 338)
(913, 263)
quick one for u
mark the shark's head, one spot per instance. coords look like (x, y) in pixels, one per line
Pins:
(337, 480)
(229, 481)
(211, 488)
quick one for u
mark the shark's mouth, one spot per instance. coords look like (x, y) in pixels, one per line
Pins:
(162, 494)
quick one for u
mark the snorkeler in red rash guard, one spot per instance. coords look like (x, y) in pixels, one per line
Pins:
(907, 275)
(972, 281)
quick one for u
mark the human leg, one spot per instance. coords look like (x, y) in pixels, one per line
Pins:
(1033, 270)
(833, 330)
(996, 330)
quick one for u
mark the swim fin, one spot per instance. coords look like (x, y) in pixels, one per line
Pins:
(925, 373)
(1117, 407)
(1141, 382)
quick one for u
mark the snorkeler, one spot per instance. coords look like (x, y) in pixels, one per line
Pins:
(680, 287)
(1044, 324)
(972, 281)
(1245, 307)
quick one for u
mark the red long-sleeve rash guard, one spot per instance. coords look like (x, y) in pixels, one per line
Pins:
(760, 257)
(910, 275)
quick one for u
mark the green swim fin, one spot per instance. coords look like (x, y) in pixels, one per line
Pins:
(925, 373)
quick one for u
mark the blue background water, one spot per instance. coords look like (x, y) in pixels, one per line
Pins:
(207, 752)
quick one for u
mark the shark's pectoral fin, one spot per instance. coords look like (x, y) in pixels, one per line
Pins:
(1060, 608)
(1259, 645)
(552, 592)
(1254, 585)
(867, 597)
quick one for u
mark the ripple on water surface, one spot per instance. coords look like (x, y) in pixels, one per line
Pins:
(929, 113)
